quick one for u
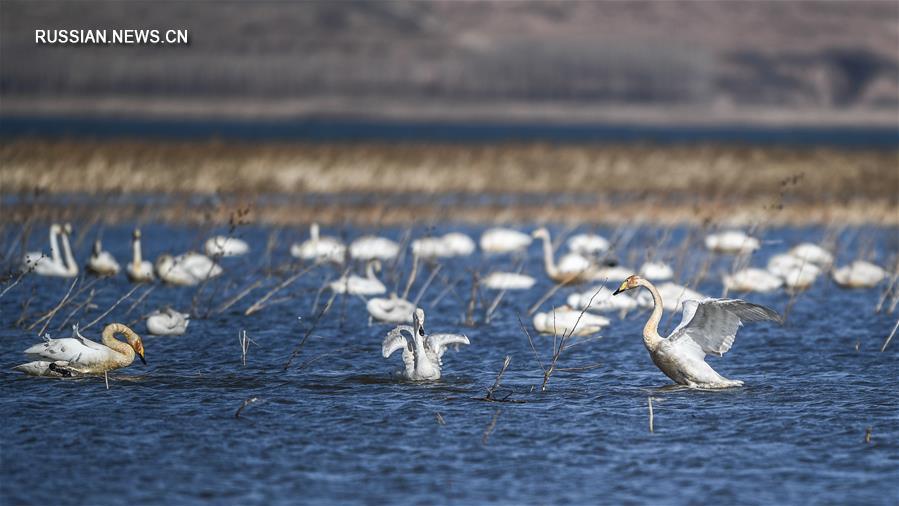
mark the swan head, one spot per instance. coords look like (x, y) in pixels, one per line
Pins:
(418, 321)
(97, 247)
(136, 234)
(67, 228)
(628, 284)
(137, 345)
(540, 233)
(55, 228)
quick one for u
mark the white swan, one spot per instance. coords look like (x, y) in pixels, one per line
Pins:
(102, 263)
(370, 247)
(812, 253)
(508, 281)
(708, 327)
(673, 296)
(357, 285)
(573, 268)
(392, 310)
(504, 240)
(224, 246)
(602, 300)
(187, 269)
(563, 319)
(78, 355)
(731, 242)
(859, 274)
(319, 248)
(795, 272)
(42, 265)
(459, 244)
(138, 269)
(752, 280)
(588, 244)
(167, 322)
(423, 357)
(656, 271)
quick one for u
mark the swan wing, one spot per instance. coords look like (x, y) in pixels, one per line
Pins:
(395, 340)
(71, 349)
(438, 342)
(712, 324)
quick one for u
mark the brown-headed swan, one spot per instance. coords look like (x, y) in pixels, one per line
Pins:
(708, 327)
(77, 355)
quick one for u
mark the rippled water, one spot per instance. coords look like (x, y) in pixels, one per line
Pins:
(335, 426)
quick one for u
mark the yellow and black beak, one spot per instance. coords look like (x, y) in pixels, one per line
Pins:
(141, 355)
(621, 288)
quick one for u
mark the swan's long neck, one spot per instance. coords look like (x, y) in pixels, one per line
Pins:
(136, 256)
(421, 357)
(651, 337)
(370, 272)
(548, 261)
(313, 232)
(71, 266)
(54, 246)
(123, 349)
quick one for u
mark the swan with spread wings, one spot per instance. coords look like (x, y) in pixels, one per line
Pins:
(709, 327)
(423, 357)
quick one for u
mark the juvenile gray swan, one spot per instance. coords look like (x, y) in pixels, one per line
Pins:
(709, 326)
(423, 356)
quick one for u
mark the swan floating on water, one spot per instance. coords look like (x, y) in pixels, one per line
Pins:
(588, 244)
(602, 300)
(54, 265)
(138, 270)
(453, 244)
(504, 240)
(812, 253)
(563, 319)
(370, 247)
(392, 310)
(572, 268)
(78, 355)
(459, 244)
(224, 246)
(796, 273)
(167, 322)
(188, 269)
(423, 357)
(102, 263)
(859, 274)
(731, 242)
(752, 280)
(708, 327)
(656, 271)
(357, 285)
(319, 248)
(508, 281)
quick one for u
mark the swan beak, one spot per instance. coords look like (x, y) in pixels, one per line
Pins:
(621, 288)
(142, 359)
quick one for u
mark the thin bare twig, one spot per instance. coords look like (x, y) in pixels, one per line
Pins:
(490, 428)
(91, 324)
(890, 337)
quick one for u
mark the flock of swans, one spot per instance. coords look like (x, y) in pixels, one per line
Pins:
(709, 325)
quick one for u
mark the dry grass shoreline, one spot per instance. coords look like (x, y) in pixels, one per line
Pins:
(402, 183)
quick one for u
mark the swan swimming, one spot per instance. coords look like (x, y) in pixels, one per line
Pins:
(188, 269)
(138, 269)
(370, 247)
(859, 274)
(508, 281)
(708, 327)
(392, 310)
(752, 280)
(453, 244)
(504, 240)
(812, 253)
(54, 265)
(731, 242)
(588, 244)
(167, 322)
(319, 248)
(102, 263)
(656, 271)
(423, 357)
(565, 321)
(357, 285)
(78, 355)
(573, 268)
(602, 300)
(224, 246)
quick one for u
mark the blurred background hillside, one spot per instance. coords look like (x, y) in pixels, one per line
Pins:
(654, 62)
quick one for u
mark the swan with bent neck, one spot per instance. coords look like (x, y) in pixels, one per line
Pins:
(708, 327)
(423, 357)
(78, 356)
